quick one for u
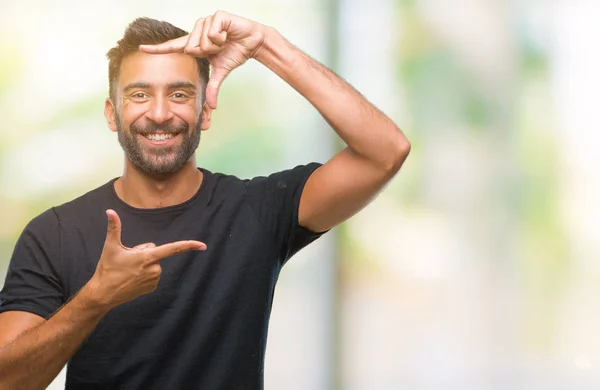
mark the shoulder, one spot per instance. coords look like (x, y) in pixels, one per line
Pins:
(88, 203)
(51, 218)
(217, 185)
(288, 178)
(221, 184)
(46, 221)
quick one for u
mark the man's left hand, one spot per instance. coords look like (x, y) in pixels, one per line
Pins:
(226, 40)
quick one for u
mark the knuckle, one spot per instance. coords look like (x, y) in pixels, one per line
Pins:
(156, 271)
(149, 257)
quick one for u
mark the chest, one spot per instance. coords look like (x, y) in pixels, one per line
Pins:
(238, 248)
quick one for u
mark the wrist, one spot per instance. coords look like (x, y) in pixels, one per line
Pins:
(260, 35)
(92, 298)
(274, 49)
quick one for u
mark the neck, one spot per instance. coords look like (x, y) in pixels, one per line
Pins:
(140, 190)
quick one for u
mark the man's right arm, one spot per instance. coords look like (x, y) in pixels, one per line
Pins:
(35, 357)
(32, 359)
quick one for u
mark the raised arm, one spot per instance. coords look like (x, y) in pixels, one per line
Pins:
(376, 146)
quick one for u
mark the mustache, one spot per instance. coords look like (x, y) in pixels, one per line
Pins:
(152, 127)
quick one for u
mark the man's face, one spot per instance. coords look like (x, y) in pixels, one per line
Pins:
(158, 114)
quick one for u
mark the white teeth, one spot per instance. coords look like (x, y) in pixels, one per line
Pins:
(159, 137)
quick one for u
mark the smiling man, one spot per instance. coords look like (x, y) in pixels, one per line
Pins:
(87, 283)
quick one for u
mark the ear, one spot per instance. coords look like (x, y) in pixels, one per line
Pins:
(206, 113)
(109, 114)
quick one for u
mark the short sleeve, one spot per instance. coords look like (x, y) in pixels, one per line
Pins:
(275, 200)
(32, 282)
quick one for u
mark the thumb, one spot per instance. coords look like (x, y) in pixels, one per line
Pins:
(213, 86)
(113, 234)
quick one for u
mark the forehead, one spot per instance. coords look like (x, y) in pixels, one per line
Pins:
(158, 69)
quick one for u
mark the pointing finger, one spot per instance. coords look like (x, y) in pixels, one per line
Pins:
(176, 45)
(175, 248)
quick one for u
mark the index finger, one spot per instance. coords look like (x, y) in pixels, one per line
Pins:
(175, 248)
(173, 46)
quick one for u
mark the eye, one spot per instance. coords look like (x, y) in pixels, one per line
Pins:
(179, 96)
(139, 96)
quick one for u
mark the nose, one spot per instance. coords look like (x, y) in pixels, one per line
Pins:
(159, 111)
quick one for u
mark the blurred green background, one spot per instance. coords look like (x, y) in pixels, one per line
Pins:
(477, 268)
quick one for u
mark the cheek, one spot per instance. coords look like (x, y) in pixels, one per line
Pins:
(130, 113)
(188, 114)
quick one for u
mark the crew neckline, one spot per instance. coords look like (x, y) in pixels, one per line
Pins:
(206, 174)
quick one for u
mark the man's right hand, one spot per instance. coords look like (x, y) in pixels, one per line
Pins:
(124, 274)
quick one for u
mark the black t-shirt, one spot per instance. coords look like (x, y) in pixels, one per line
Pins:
(205, 327)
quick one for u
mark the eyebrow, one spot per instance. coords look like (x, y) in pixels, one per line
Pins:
(144, 85)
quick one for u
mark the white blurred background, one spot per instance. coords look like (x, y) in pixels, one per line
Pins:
(477, 268)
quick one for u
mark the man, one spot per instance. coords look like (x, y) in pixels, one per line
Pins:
(76, 294)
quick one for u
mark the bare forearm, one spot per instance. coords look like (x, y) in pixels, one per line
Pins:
(363, 127)
(35, 358)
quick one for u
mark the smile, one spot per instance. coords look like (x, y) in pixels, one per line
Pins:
(159, 137)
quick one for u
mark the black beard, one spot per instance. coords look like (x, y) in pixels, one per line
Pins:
(163, 161)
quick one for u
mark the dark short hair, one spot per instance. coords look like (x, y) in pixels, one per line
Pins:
(145, 31)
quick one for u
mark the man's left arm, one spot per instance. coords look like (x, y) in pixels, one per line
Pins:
(376, 147)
